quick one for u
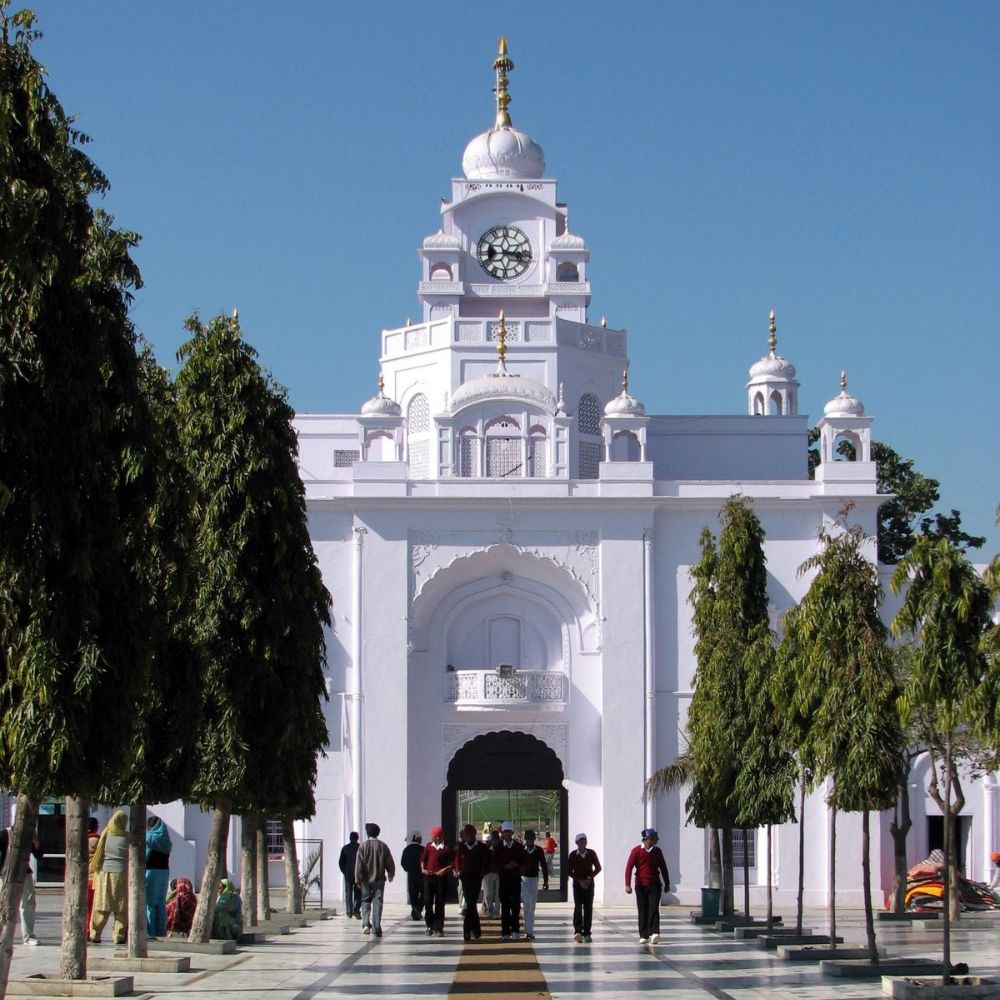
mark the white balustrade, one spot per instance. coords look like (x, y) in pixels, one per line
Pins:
(489, 689)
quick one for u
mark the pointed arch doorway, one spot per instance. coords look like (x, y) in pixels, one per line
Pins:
(518, 775)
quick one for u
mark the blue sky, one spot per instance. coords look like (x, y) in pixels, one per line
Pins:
(837, 162)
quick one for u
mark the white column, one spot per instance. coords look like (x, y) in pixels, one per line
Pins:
(650, 677)
(991, 822)
(356, 694)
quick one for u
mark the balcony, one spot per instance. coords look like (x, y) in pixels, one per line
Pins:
(489, 689)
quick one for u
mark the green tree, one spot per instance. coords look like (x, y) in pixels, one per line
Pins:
(732, 636)
(260, 606)
(72, 437)
(845, 678)
(946, 608)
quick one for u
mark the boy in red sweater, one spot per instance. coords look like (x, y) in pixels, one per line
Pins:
(647, 861)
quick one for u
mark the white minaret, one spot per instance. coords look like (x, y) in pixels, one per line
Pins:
(772, 389)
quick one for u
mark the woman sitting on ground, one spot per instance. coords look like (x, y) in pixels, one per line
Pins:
(181, 905)
(227, 924)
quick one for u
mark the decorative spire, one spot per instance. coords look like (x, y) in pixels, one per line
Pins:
(381, 382)
(503, 65)
(502, 347)
(772, 329)
(843, 380)
(625, 379)
(560, 402)
(236, 314)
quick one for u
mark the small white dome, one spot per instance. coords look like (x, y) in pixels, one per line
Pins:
(844, 405)
(442, 241)
(381, 406)
(502, 153)
(497, 386)
(624, 406)
(568, 241)
(773, 366)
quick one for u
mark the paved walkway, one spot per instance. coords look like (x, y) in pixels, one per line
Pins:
(332, 958)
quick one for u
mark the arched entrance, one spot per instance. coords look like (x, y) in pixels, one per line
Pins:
(518, 764)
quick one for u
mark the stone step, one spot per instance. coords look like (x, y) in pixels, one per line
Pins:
(863, 968)
(813, 953)
(46, 984)
(255, 936)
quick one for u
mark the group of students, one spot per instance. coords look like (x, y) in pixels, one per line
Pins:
(515, 865)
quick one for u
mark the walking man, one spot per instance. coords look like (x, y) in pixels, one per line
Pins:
(352, 891)
(435, 863)
(472, 860)
(534, 865)
(491, 879)
(374, 865)
(647, 862)
(508, 861)
(409, 861)
(28, 886)
(582, 866)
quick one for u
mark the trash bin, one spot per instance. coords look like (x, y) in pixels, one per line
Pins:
(710, 902)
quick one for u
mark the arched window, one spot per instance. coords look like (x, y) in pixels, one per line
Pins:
(440, 272)
(774, 405)
(468, 454)
(758, 404)
(418, 425)
(537, 453)
(589, 445)
(567, 272)
(504, 450)
(625, 447)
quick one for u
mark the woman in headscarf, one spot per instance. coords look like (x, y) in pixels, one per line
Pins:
(157, 876)
(227, 924)
(181, 907)
(109, 870)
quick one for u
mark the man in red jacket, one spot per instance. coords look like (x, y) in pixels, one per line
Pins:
(647, 861)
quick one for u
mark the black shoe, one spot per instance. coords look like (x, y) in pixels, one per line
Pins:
(468, 937)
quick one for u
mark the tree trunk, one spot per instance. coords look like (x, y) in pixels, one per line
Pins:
(899, 828)
(832, 905)
(137, 944)
(770, 882)
(957, 799)
(73, 953)
(866, 886)
(714, 859)
(248, 869)
(746, 877)
(13, 883)
(802, 852)
(201, 926)
(291, 867)
(728, 901)
(263, 876)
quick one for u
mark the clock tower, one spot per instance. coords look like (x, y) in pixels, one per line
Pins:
(504, 245)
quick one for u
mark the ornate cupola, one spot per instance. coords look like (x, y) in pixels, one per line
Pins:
(772, 389)
(844, 421)
(624, 427)
(380, 427)
(503, 152)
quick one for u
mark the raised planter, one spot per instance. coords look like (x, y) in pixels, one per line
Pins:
(815, 953)
(933, 989)
(748, 933)
(914, 916)
(154, 963)
(769, 942)
(863, 968)
(47, 984)
(197, 948)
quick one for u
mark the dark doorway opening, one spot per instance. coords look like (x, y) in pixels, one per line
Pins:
(512, 771)
(960, 832)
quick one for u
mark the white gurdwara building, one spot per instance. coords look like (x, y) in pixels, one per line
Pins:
(507, 535)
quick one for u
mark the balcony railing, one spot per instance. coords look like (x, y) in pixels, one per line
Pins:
(489, 689)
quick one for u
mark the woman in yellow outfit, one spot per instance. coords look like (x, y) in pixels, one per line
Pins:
(109, 870)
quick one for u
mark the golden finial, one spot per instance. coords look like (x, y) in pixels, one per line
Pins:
(843, 380)
(772, 329)
(381, 383)
(502, 343)
(503, 65)
(625, 379)
(604, 322)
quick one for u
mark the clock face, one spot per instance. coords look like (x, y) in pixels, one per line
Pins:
(504, 252)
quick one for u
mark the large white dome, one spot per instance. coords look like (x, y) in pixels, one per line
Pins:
(501, 153)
